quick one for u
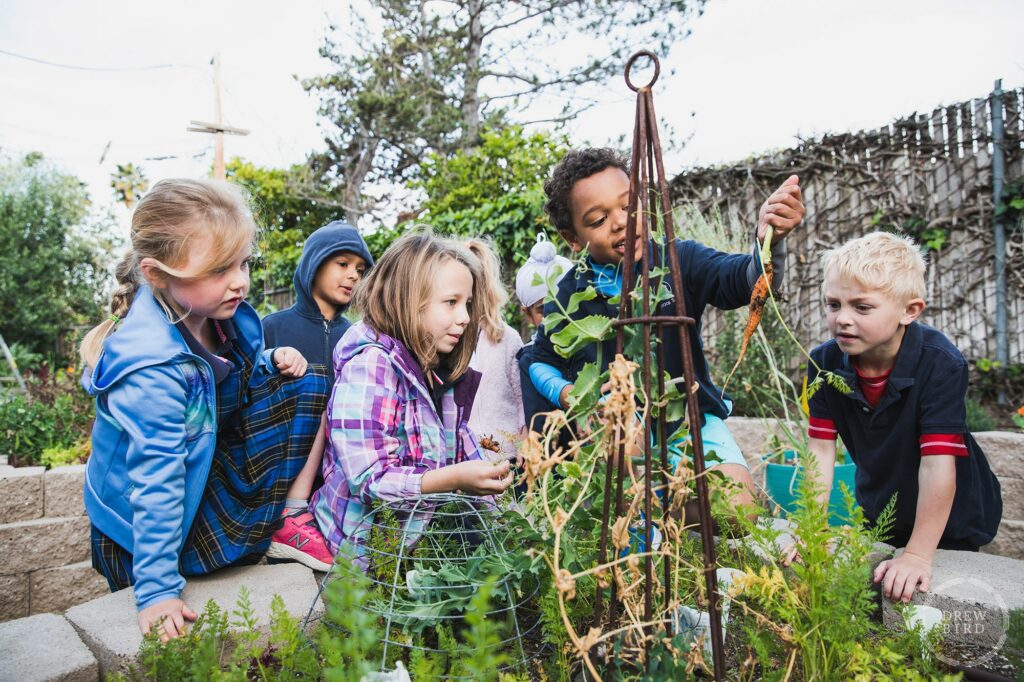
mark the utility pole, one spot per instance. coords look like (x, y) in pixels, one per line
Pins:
(218, 128)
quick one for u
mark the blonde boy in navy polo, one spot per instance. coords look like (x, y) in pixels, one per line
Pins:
(905, 422)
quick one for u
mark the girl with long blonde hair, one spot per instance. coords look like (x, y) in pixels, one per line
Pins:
(498, 412)
(199, 430)
(398, 415)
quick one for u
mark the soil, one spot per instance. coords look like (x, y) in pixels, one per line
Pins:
(995, 663)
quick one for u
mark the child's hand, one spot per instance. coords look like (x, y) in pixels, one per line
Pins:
(783, 210)
(791, 553)
(480, 477)
(172, 612)
(563, 397)
(900, 576)
(289, 362)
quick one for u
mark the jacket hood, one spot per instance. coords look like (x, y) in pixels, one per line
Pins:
(360, 336)
(321, 245)
(147, 337)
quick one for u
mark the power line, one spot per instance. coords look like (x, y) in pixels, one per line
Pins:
(100, 68)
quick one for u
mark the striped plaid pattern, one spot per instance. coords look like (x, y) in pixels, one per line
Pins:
(385, 433)
(266, 428)
(113, 561)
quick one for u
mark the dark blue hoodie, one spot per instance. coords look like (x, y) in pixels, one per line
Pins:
(303, 326)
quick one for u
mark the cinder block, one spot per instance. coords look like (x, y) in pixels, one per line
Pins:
(975, 593)
(14, 596)
(21, 493)
(62, 491)
(1009, 540)
(1004, 451)
(752, 435)
(42, 648)
(43, 543)
(54, 590)
(109, 624)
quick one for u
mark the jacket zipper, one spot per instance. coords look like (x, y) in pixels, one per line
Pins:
(327, 343)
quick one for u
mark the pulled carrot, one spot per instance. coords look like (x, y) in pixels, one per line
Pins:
(758, 299)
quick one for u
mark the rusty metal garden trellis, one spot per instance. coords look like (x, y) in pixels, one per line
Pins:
(648, 192)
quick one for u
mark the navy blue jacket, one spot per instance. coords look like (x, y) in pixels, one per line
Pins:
(926, 394)
(710, 277)
(303, 326)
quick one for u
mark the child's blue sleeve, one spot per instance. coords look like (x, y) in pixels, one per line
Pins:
(548, 381)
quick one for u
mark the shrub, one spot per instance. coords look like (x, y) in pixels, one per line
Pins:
(56, 413)
(978, 417)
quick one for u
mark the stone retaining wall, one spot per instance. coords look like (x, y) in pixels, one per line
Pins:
(44, 542)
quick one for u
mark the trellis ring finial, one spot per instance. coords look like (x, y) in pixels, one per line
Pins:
(629, 65)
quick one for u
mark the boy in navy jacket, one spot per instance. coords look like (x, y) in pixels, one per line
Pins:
(587, 202)
(905, 421)
(334, 259)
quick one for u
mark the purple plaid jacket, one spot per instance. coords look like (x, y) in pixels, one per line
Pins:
(385, 433)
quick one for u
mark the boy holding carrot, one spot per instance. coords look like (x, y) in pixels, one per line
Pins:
(587, 203)
(905, 421)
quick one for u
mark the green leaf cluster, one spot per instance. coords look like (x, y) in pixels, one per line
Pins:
(494, 189)
(55, 253)
(287, 209)
(51, 423)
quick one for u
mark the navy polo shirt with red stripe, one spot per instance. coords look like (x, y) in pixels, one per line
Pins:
(889, 422)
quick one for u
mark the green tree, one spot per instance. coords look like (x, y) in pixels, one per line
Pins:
(54, 253)
(441, 72)
(496, 190)
(129, 184)
(286, 214)
(384, 107)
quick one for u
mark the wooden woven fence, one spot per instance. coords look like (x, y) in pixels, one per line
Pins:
(927, 175)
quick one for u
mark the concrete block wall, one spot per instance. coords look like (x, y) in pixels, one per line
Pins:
(1004, 451)
(44, 542)
(102, 636)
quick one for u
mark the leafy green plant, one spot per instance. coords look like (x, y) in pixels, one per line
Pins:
(55, 413)
(978, 416)
(494, 189)
(931, 237)
(989, 378)
(220, 647)
(56, 252)
(349, 638)
(1018, 417)
(1014, 646)
(483, 637)
(27, 360)
(77, 453)
(815, 619)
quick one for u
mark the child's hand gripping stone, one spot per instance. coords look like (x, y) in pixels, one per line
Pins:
(169, 616)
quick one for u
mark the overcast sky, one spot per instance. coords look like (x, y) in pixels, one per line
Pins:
(754, 75)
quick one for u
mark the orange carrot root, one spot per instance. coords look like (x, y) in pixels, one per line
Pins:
(758, 299)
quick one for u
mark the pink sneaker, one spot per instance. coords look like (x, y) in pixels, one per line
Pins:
(300, 540)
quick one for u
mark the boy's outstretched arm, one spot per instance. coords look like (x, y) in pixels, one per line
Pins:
(936, 486)
(824, 452)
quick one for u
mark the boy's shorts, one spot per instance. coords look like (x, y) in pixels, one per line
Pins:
(718, 439)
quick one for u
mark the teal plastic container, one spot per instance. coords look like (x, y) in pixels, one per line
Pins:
(782, 480)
